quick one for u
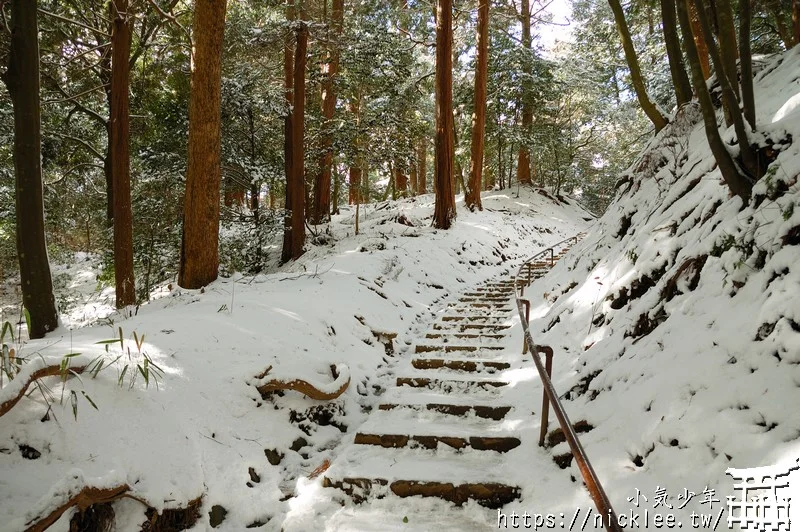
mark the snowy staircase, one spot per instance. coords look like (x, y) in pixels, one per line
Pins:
(442, 429)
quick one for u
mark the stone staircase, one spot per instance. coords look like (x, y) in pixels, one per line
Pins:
(442, 428)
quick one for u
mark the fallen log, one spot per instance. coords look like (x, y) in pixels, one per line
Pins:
(85, 498)
(17, 388)
(313, 390)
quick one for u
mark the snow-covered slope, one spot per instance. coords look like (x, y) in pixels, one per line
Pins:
(206, 431)
(676, 322)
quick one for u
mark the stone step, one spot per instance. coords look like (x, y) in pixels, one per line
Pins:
(449, 385)
(456, 348)
(407, 428)
(479, 318)
(494, 306)
(470, 326)
(487, 293)
(500, 444)
(475, 335)
(471, 366)
(495, 413)
(481, 299)
(405, 473)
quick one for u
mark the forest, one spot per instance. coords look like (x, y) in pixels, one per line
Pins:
(370, 88)
(316, 154)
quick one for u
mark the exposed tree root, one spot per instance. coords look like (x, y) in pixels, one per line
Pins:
(49, 371)
(173, 520)
(311, 390)
(85, 498)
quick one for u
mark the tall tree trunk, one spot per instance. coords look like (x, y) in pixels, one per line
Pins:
(412, 178)
(322, 181)
(337, 184)
(729, 100)
(105, 77)
(524, 158)
(120, 139)
(298, 152)
(445, 204)
(746, 62)
(422, 158)
(355, 184)
(796, 21)
(785, 33)
(22, 80)
(288, 84)
(400, 181)
(356, 168)
(680, 80)
(647, 105)
(473, 197)
(727, 41)
(699, 41)
(737, 183)
(200, 248)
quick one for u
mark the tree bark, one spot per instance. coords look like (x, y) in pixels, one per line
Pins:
(200, 249)
(298, 151)
(22, 80)
(730, 101)
(422, 161)
(473, 197)
(746, 62)
(647, 105)
(400, 181)
(322, 182)
(796, 21)
(727, 41)
(288, 84)
(412, 180)
(699, 41)
(737, 183)
(524, 157)
(120, 140)
(773, 7)
(356, 166)
(445, 203)
(680, 80)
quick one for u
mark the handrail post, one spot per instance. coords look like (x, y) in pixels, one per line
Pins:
(527, 304)
(548, 357)
(550, 398)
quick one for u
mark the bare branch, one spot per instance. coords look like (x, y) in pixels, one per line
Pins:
(74, 96)
(74, 22)
(82, 142)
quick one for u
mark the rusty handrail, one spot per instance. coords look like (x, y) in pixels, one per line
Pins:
(550, 396)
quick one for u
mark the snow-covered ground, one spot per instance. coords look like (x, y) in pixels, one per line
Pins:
(676, 321)
(202, 429)
(675, 325)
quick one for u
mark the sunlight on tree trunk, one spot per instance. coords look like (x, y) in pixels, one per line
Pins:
(200, 247)
(524, 158)
(473, 197)
(647, 105)
(445, 207)
(298, 153)
(288, 85)
(120, 139)
(22, 80)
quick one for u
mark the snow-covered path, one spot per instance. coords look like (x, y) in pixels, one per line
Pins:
(454, 423)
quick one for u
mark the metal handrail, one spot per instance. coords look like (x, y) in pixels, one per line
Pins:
(550, 396)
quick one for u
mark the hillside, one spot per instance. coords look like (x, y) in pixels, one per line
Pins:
(204, 430)
(676, 321)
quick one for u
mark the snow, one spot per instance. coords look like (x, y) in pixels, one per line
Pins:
(714, 384)
(674, 324)
(198, 429)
